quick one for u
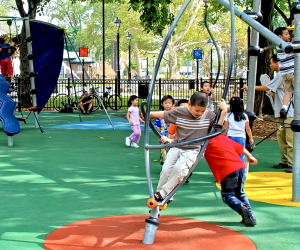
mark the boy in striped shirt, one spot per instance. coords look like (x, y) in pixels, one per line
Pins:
(192, 122)
(286, 65)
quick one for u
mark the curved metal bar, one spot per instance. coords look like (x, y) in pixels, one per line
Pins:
(147, 118)
(230, 64)
(204, 138)
(13, 17)
(215, 44)
(231, 56)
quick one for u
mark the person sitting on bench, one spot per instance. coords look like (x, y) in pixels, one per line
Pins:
(86, 103)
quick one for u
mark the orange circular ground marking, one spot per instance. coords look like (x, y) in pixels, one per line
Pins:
(126, 233)
(270, 187)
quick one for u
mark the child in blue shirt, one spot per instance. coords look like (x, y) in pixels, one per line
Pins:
(160, 124)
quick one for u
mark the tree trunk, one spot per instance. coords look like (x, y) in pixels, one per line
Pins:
(138, 61)
(173, 62)
(263, 67)
(24, 90)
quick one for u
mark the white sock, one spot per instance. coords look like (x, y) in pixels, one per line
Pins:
(284, 107)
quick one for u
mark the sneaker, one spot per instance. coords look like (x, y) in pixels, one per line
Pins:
(289, 170)
(134, 145)
(283, 113)
(281, 165)
(127, 141)
(246, 217)
(252, 217)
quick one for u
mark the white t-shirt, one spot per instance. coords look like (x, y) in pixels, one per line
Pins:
(236, 129)
(276, 86)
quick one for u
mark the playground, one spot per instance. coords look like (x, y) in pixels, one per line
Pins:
(78, 181)
(73, 188)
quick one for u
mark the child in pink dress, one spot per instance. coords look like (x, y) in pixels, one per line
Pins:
(134, 121)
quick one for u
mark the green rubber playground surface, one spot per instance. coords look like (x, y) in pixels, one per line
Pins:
(67, 175)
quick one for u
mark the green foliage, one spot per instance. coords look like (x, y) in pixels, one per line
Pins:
(155, 14)
(91, 35)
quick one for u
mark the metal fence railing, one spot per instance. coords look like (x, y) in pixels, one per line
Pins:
(179, 89)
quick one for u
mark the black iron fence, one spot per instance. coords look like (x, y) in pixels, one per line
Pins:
(68, 91)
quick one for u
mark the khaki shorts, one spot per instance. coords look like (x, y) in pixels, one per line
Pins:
(288, 82)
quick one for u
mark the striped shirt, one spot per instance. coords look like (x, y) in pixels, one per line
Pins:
(189, 127)
(285, 61)
(276, 86)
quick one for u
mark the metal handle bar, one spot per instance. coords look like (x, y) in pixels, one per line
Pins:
(207, 137)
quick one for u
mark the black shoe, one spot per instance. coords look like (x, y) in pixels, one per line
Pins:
(289, 170)
(281, 165)
(283, 113)
(252, 217)
(246, 217)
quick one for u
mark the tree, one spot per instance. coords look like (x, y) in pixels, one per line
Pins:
(33, 7)
(5, 7)
(91, 35)
(71, 16)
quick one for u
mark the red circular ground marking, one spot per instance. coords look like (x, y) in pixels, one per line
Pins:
(126, 233)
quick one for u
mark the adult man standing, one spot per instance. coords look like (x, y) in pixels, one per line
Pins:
(86, 103)
(284, 135)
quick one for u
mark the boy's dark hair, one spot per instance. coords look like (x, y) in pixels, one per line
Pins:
(131, 98)
(274, 58)
(182, 101)
(202, 83)
(199, 99)
(237, 108)
(166, 97)
(2, 40)
(279, 31)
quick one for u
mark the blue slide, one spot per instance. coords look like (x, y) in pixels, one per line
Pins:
(11, 124)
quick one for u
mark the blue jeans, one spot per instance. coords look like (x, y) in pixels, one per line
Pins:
(242, 141)
(233, 191)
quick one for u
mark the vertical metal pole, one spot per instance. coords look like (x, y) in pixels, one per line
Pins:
(249, 34)
(197, 81)
(129, 63)
(296, 158)
(118, 64)
(31, 68)
(253, 63)
(18, 93)
(241, 85)
(10, 140)
(147, 73)
(211, 66)
(159, 93)
(103, 46)
(83, 74)
(69, 86)
(224, 64)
